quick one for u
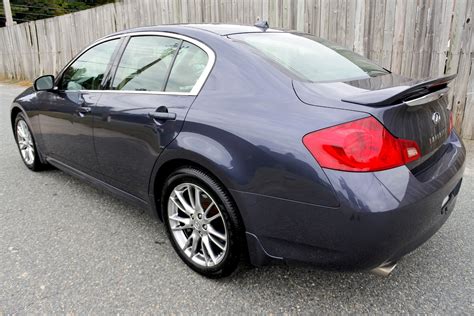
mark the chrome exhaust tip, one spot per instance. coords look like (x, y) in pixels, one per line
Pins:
(385, 269)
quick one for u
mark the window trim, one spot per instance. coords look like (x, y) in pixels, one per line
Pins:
(116, 58)
(168, 74)
(117, 50)
(119, 57)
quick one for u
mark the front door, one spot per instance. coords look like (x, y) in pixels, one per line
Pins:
(145, 108)
(66, 128)
(65, 119)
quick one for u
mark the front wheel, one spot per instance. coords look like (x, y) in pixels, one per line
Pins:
(26, 144)
(202, 223)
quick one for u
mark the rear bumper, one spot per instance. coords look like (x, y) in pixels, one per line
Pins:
(382, 216)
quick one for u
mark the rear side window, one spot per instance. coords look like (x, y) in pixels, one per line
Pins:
(87, 71)
(187, 69)
(145, 63)
(309, 58)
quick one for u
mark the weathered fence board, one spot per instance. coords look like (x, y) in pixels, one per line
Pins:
(418, 38)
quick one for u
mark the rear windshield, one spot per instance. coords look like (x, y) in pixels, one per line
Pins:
(310, 58)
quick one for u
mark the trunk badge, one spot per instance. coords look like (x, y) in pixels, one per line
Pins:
(436, 117)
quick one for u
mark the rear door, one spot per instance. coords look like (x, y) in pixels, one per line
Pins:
(155, 82)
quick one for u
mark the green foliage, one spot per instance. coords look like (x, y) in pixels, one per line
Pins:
(29, 10)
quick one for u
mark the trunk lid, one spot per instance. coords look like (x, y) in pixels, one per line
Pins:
(409, 109)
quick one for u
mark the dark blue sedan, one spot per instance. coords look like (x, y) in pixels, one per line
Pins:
(249, 141)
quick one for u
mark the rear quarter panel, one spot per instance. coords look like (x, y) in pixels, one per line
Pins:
(246, 126)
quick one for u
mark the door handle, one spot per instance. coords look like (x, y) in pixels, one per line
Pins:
(83, 110)
(162, 116)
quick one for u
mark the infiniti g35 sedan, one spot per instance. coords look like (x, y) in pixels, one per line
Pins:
(252, 142)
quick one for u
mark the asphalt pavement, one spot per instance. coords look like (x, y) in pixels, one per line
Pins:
(67, 247)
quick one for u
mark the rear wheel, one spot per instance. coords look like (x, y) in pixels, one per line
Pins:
(26, 144)
(202, 223)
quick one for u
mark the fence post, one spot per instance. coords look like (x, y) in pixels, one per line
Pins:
(8, 13)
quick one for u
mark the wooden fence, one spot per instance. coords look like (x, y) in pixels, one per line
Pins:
(417, 38)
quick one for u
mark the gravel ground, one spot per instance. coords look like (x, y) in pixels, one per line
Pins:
(68, 247)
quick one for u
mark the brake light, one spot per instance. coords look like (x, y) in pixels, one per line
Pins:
(361, 145)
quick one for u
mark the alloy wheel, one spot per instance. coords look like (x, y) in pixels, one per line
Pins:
(197, 225)
(25, 142)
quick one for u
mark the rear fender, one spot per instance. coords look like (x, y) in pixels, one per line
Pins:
(190, 149)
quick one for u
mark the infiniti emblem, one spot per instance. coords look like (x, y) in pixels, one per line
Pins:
(436, 117)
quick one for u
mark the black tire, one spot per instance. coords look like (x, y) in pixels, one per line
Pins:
(230, 216)
(36, 164)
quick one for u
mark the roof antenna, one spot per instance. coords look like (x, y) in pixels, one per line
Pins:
(262, 24)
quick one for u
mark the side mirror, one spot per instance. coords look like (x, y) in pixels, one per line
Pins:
(44, 83)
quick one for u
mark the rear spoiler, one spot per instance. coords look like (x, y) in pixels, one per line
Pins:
(417, 94)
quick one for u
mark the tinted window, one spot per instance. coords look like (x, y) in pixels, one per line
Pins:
(187, 68)
(87, 72)
(145, 63)
(310, 58)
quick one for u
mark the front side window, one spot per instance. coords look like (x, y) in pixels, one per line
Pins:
(309, 58)
(87, 71)
(145, 63)
(187, 69)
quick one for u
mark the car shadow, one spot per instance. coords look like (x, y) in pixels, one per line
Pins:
(305, 285)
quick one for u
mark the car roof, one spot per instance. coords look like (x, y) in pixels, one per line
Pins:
(228, 29)
(219, 29)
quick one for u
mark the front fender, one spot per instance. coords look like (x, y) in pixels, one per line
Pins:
(28, 103)
(16, 108)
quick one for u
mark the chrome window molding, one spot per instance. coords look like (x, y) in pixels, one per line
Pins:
(197, 86)
(135, 92)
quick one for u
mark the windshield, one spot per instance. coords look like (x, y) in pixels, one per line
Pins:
(310, 58)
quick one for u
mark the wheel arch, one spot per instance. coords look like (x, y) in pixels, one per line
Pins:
(167, 167)
(15, 110)
(33, 124)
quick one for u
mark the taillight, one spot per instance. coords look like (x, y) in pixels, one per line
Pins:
(361, 145)
(451, 123)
